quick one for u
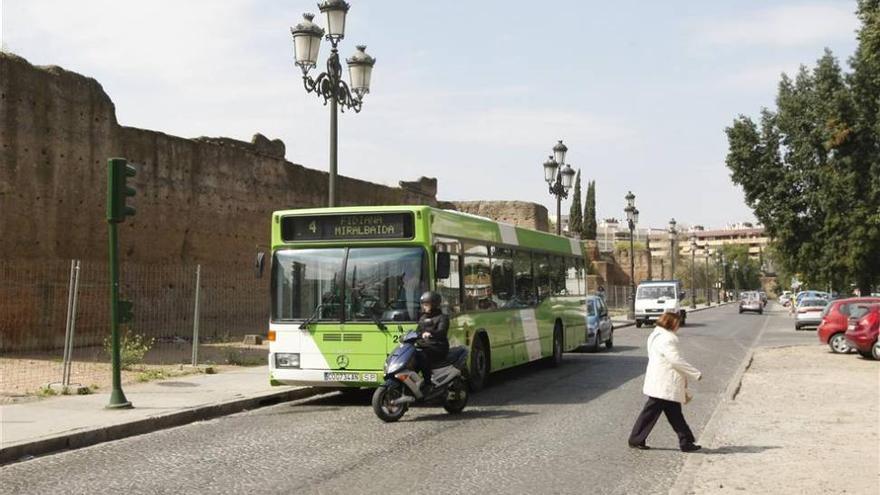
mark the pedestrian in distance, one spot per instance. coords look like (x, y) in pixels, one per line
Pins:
(666, 386)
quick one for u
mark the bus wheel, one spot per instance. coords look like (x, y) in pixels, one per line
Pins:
(383, 405)
(557, 347)
(479, 365)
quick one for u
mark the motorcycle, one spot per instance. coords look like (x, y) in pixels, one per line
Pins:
(403, 385)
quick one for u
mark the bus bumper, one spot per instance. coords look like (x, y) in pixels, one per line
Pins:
(327, 378)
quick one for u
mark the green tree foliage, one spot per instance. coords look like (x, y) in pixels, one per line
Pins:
(589, 219)
(575, 221)
(810, 169)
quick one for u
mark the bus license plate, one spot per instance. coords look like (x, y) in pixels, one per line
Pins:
(349, 377)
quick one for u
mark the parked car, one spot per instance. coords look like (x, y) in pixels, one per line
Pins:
(751, 301)
(861, 334)
(810, 294)
(835, 318)
(809, 312)
(785, 298)
(599, 327)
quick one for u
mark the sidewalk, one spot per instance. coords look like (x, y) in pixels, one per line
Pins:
(50, 425)
(817, 434)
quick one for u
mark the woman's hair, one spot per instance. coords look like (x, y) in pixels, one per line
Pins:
(668, 321)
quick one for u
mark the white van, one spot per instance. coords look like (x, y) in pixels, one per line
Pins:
(655, 297)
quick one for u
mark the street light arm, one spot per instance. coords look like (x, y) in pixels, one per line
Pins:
(330, 86)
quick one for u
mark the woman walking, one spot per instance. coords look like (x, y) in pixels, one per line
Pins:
(666, 386)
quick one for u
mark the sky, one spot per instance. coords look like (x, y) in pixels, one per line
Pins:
(473, 93)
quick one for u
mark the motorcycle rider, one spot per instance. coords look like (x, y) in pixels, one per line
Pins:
(433, 328)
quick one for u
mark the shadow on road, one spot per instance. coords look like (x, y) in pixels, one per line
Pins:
(739, 449)
(470, 414)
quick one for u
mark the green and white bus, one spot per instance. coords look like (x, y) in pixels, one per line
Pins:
(346, 283)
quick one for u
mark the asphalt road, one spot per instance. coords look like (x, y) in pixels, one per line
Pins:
(534, 430)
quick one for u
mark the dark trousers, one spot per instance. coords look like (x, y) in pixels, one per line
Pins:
(423, 364)
(648, 418)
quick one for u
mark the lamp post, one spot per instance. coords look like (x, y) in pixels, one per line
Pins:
(329, 85)
(723, 263)
(559, 176)
(708, 277)
(632, 219)
(693, 271)
(736, 278)
(672, 234)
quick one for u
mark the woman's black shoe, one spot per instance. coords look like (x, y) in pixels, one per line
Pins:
(691, 448)
(639, 446)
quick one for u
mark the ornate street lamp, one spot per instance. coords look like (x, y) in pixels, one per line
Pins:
(329, 85)
(672, 234)
(632, 219)
(693, 271)
(559, 176)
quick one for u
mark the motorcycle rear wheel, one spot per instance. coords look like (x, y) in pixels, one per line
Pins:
(382, 402)
(459, 391)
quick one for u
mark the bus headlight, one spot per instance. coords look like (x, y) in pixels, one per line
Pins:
(286, 360)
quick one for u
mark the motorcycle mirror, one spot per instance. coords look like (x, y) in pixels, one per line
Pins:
(443, 265)
(259, 263)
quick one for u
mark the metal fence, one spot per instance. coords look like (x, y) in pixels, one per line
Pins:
(54, 320)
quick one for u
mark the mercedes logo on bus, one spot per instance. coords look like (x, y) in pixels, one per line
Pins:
(342, 361)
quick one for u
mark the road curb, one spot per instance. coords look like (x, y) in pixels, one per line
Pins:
(85, 438)
(684, 482)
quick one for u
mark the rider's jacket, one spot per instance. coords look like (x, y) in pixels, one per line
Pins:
(436, 324)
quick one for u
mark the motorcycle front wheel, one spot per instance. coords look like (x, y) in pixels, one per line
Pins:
(383, 399)
(456, 396)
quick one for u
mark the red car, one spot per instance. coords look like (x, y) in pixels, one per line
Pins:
(835, 318)
(862, 334)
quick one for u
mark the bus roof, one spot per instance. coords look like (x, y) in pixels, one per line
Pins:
(460, 225)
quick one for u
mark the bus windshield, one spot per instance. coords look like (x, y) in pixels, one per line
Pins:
(379, 282)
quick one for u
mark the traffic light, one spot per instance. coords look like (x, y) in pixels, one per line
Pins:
(118, 190)
(126, 311)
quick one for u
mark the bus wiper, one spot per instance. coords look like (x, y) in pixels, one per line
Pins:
(377, 321)
(305, 324)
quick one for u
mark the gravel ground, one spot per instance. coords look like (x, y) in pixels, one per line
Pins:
(805, 421)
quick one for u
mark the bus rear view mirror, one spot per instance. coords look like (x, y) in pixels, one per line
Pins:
(443, 262)
(259, 262)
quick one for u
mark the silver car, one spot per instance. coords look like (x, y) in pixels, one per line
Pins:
(599, 327)
(751, 301)
(809, 312)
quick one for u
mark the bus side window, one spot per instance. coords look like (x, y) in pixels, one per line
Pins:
(450, 287)
(524, 281)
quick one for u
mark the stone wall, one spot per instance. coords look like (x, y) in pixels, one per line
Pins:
(521, 213)
(201, 201)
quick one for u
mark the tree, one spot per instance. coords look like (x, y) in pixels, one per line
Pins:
(810, 169)
(575, 221)
(589, 220)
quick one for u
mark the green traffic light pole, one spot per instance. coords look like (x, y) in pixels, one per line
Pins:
(118, 171)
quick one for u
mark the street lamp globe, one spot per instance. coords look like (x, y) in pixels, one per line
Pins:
(693, 242)
(559, 152)
(306, 42)
(568, 174)
(672, 226)
(635, 216)
(360, 69)
(335, 10)
(630, 199)
(551, 166)
(630, 213)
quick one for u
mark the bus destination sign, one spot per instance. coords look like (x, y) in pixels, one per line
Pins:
(354, 226)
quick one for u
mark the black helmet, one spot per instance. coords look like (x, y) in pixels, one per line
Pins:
(432, 298)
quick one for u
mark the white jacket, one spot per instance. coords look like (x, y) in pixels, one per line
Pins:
(667, 373)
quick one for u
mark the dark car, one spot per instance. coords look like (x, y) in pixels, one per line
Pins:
(862, 333)
(835, 318)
